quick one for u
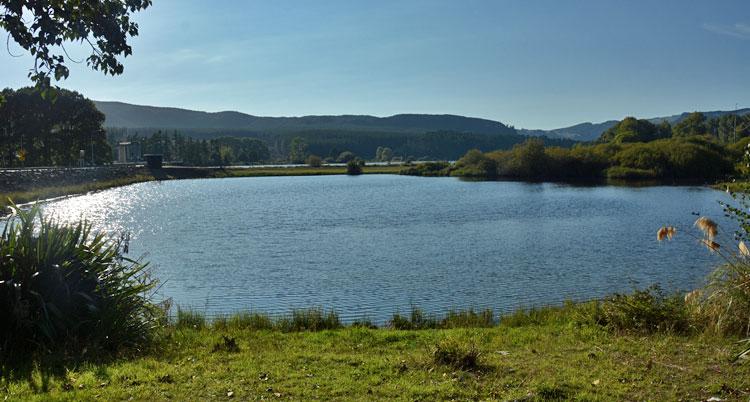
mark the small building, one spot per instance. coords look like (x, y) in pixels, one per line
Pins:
(128, 152)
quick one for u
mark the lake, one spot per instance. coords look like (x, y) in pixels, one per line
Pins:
(372, 245)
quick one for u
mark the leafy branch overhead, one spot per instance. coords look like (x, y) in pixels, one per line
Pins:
(43, 27)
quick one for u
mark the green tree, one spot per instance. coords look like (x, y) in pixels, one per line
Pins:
(345, 157)
(51, 133)
(43, 28)
(297, 150)
(693, 124)
(354, 167)
(314, 161)
(631, 129)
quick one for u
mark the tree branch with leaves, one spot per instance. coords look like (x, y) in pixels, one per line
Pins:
(43, 27)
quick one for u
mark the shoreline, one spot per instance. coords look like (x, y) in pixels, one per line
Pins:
(46, 193)
(40, 194)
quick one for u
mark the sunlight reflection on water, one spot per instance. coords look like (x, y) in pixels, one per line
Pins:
(372, 245)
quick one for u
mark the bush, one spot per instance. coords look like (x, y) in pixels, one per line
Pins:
(626, 173)
(353, 167)
(65, 289)
(314, 161)
(429, 169)
(456, 353)
(646, 311)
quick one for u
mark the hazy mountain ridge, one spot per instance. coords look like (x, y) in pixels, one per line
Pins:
(120, 114)
(124, 115)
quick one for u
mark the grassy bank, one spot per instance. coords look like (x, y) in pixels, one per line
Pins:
(549, 356)
(143, 175)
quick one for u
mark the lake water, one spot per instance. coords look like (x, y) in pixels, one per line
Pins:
(371, 245)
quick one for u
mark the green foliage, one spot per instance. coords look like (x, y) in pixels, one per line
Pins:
(419, 320)
(631, 129)
(220, 151)
(354, 167)
(190, 319)
(646, 311)
(65, 289)
(297, 150)
(346, 157)
(628, 173)
(245, 321)
(313, 319)
(314, 161)
(428, 169)
(690, 158)
(38, 132)
(457, 353)
(42, 28)
(475, 164)
(693, 124)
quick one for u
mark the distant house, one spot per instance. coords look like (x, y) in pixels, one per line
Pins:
(128, 152)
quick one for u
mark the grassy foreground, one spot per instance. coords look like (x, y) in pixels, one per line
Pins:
(547, 360)
(144, 175)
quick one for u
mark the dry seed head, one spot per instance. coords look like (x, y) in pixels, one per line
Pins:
(707, 226)
(744, 251)
(711, 245)
(665, 232)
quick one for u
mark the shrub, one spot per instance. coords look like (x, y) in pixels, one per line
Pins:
(64, 288)
(628, 173)
(353, 167)
(314, 161)
(456, 353)
(646, 311)
(429, 169)
(723, 305)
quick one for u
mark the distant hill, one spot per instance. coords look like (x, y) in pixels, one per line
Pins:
(579, 132)
(426, 135)
(125, 115)
(592, 131)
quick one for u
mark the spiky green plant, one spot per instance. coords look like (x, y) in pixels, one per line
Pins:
(66, 289)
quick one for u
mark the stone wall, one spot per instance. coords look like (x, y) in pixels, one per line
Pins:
(26, 179)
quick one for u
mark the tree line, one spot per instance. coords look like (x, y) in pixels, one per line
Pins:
(696, 148)
(36, 131)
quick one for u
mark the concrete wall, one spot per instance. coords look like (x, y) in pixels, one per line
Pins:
(26, 179)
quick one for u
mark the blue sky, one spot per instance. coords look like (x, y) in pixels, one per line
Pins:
(532, 64)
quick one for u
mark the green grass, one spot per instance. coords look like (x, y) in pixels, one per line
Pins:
(549, 355)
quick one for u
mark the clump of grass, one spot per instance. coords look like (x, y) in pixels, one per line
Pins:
(468, 319)
(66, 289)
(568, 312)
(313, 319)
(417, 319)
(723, 305)
(245, 320)
(646, 311)
(363, 323)
(227, 344)
(190, 319)
(457, 353)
